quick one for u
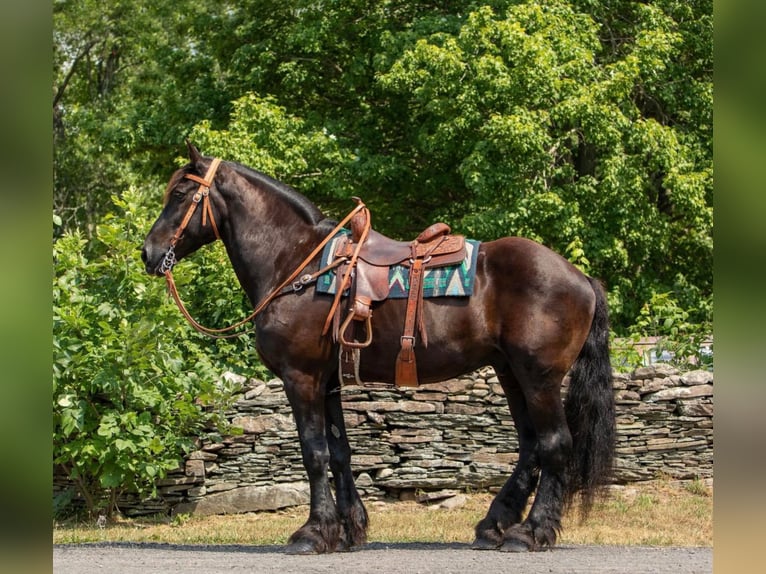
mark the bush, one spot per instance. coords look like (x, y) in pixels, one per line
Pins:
(680, 336)
(133, 384)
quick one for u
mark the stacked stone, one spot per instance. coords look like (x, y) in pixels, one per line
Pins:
(452, 436)
(665, 424)
(455, 434)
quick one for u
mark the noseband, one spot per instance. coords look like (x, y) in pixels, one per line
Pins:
(202, 194)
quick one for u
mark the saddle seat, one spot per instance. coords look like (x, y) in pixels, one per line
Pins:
(381, 250)
(369, 256)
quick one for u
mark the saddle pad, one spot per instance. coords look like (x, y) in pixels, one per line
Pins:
(448, 281)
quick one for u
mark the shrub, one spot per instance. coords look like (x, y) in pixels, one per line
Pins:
(133, 384)
(682, 336)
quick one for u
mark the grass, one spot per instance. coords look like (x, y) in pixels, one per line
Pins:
(659, 513)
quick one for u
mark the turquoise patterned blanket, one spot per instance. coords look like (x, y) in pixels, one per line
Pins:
(449, 281)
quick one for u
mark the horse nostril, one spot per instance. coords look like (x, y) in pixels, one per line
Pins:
(143, 254)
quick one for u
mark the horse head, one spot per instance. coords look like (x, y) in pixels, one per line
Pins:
(188, 219)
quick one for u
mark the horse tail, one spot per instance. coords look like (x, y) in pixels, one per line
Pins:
(590, 412)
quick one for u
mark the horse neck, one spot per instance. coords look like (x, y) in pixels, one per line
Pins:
(266, 238)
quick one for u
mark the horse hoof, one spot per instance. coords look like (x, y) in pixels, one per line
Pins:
(483, 544)
(301, 547)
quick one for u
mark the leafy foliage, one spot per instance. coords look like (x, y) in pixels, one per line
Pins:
(688, 344)
(549, 139)
(262, 135)
(132, 385)
(586, 125)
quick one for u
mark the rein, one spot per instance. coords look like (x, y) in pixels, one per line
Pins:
(289, 285)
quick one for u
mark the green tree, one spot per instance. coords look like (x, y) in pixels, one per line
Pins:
(583, 124)
(550, 139)
(128, 85)
(262, 135)
(587, 128)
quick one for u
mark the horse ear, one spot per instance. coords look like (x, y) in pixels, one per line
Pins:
(194, 155)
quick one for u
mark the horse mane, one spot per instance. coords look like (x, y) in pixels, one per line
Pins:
(307, 210)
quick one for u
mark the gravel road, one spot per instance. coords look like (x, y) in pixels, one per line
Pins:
(410, 558)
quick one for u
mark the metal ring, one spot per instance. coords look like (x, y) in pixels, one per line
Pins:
(169, 261)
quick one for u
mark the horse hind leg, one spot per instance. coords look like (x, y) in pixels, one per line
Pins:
(553, 450)
(351, 510)
(575, 444)
(508, 506)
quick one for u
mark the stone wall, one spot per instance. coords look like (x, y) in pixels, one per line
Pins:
(454, 435)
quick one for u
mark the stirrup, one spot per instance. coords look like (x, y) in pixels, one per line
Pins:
(355, 344)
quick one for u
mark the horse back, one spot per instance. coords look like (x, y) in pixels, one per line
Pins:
(526, 297)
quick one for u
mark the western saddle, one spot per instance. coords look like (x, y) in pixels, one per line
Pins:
(365, 276)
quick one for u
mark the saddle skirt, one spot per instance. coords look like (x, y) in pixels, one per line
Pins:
(453, 279)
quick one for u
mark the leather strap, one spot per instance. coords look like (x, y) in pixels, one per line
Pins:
(202, 193)
(406, 366)
(276, 292)
(345, 281)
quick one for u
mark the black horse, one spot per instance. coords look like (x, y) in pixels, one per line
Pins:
(533, 317)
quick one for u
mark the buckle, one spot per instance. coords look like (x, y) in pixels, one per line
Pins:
(302, 282)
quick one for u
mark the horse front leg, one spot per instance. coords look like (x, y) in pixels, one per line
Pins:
(353, 514)
(323, 530)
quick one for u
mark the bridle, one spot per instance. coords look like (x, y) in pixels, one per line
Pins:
(202, 194)
(289, 285)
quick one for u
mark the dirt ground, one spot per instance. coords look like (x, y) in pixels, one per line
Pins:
(409, 558)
